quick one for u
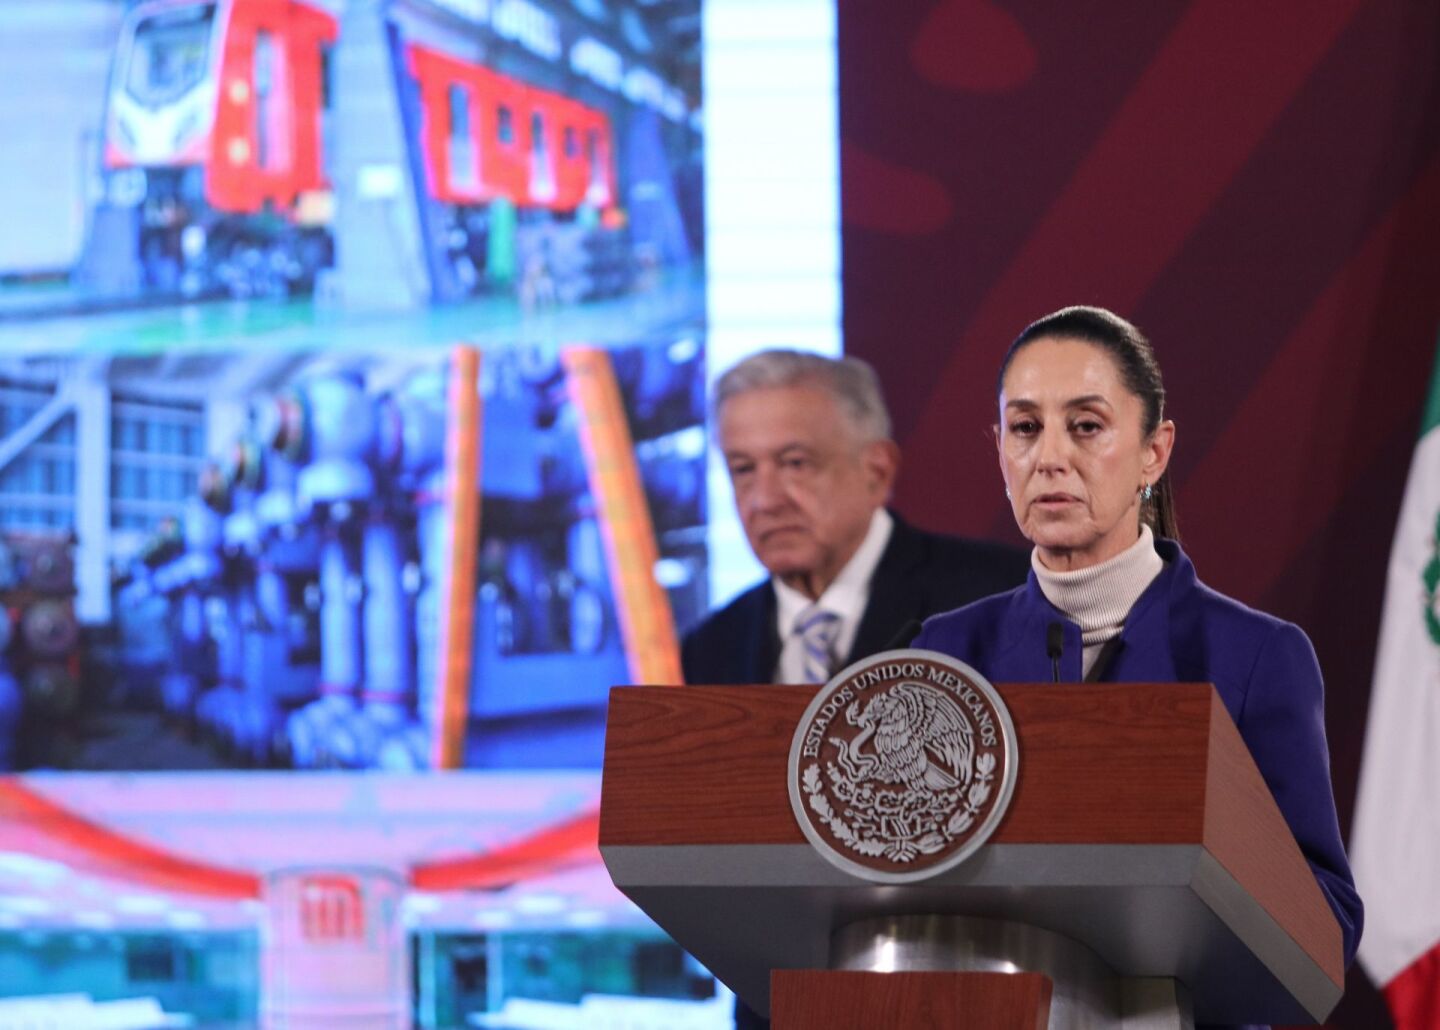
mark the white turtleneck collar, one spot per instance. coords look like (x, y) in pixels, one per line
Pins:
(1098, 598)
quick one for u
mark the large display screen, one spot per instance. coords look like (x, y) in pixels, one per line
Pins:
(353, 364)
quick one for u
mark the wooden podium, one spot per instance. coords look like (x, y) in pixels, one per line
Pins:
(1140, 833)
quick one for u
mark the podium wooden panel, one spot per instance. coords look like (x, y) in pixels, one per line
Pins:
(807, 999)
(1139, 827)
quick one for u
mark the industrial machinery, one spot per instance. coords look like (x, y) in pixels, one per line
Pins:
(322, 604)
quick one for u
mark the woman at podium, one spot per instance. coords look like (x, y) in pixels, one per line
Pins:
(1083, 444)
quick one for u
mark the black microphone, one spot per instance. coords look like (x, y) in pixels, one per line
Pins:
(1054, 647)
(907, 633)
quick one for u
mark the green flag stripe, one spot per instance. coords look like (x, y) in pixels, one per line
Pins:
(1432, 408)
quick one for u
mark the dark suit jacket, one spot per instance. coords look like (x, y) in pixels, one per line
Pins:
(919, 575)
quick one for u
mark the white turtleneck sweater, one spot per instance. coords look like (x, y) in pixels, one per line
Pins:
(1098, 598)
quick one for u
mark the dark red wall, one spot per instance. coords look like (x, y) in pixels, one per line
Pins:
(1257, 185)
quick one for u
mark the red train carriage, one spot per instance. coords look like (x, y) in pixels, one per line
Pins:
(216, 113)
(216, 132)
(488, 136)
(235, 87)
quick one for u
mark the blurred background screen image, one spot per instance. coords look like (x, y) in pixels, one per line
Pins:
(353, 360)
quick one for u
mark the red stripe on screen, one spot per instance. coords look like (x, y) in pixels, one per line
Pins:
(572, 842)
(108, 853)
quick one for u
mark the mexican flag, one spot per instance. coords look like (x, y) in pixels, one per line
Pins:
(1395, 846)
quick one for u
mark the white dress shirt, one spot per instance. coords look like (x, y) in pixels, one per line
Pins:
(845, 597)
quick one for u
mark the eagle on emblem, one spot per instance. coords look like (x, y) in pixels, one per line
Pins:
(922, 739)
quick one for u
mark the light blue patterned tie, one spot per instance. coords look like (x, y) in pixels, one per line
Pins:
(817, 629)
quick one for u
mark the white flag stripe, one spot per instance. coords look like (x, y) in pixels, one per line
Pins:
(1395, 843)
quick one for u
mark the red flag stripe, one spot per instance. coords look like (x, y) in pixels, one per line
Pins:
(1414, 995)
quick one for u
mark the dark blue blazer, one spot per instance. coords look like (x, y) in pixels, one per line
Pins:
(919, 574)
(1181, 631)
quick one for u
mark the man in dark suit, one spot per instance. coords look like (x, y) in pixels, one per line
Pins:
(807, 443)
(806, 440)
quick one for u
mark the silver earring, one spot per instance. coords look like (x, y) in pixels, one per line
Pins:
(1007, 494)
(1146, 492)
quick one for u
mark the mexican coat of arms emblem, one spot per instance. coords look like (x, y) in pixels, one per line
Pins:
(902, 765)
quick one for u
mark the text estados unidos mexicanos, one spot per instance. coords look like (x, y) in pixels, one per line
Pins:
(968, 696)
(815, 734)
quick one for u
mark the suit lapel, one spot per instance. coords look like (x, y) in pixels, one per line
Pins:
(895, 596)
(761, 650)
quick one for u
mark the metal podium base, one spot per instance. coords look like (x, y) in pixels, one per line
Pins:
(1086, 992)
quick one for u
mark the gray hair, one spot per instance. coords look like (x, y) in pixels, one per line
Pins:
(851, 382)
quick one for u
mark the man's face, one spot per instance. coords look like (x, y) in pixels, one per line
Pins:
(805, 485)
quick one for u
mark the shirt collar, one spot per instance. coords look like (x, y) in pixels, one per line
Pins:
(850, 591)
(1099, 597)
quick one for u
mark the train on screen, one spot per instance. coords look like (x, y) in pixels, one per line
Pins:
(214, 138)
(220, 144)
(508, 168)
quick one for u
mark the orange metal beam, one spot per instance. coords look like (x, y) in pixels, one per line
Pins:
(647, 625)
(457, 618)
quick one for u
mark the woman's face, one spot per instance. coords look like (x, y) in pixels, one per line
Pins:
(1073, 451)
